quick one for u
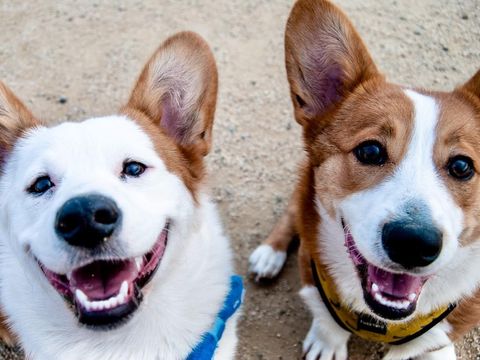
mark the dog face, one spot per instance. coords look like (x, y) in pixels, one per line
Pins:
(97, 207)
(396, 177)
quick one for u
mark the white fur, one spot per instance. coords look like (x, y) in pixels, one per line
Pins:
(446, 353)
(433, 339)
(325, 339)
(416, 178)
(265, 262)
(228, 343)
(184, 296)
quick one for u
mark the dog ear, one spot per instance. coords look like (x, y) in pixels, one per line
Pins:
(325, 58)
(15, 118)
(177, 90)
(473, 85)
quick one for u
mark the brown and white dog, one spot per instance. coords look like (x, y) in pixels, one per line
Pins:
(388, 202)
(111, 246)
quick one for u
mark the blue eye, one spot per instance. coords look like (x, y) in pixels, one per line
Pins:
(133, 169)
(41, 185)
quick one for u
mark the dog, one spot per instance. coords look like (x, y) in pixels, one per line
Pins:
(387, 202)
(111, 245)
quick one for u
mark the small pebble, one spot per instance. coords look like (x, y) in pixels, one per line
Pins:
(62, 99)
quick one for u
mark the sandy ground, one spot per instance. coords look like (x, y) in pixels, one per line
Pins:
(89, 56)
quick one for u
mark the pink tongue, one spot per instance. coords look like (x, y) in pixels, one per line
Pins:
(102, 279)
(395, 285)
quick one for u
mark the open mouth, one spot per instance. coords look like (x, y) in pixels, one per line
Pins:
(389, 295)
(105, 293)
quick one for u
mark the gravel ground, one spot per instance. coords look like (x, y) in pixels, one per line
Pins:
(71, 61)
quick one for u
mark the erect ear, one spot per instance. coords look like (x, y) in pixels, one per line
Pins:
(473, 85)
(15, 118)
(177, 90)
(325, 58)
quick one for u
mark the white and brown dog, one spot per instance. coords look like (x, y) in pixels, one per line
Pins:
(111, 246)
(388, 202)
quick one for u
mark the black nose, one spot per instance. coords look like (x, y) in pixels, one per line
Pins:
(87, 220)
(411, 244)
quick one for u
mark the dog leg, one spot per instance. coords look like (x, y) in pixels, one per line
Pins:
(268, 259)
(325, 340)
(421, 347)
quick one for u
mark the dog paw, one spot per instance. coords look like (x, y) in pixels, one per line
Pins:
(265, 262)
(319, 346)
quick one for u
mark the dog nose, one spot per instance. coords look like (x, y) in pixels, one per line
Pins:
(87, 221)
(411, 244)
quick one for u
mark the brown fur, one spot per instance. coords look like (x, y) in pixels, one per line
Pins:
(457, 111)
(365, 108)
(285, 229)
(184, 55)
(322, 48)
(459, 134)
(465, 316)
(15, 119)
(385, 117)
(306, 44)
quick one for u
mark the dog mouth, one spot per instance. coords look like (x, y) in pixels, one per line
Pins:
(390, 295)
(105, 293)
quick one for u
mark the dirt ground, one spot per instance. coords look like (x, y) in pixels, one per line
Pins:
(72, 60)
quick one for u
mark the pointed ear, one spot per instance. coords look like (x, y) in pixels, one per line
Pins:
(15, 118)
(325, 58)
(177, 90)
(473, 85)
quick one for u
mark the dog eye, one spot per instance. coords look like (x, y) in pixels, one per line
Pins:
(371, 153)
(461, 167)
(41, 185)
(133, 169)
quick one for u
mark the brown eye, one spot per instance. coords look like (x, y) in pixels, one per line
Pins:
(371, 153)
(461, 167)
(41, 185)
(133, 169)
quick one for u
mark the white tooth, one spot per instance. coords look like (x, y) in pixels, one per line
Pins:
(412, 296)
(81, 297)
(121, 299)
(102, 305)
(391, 303)
(139, 262)
(110, 303)
(375, 287)
(69, 275)
(123, 289)
(113, 303)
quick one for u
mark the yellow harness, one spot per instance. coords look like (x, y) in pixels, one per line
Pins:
(367, 326)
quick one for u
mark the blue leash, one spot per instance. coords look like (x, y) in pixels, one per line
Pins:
(207, 346)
